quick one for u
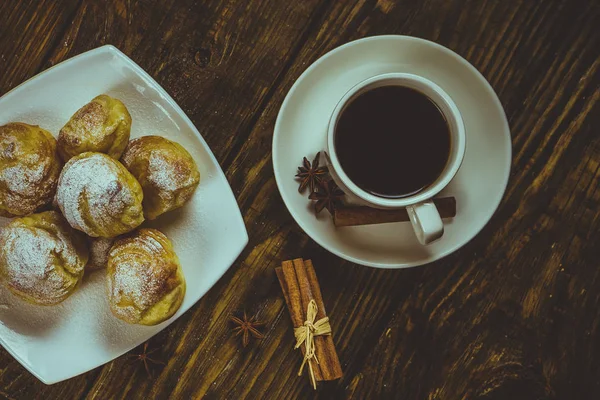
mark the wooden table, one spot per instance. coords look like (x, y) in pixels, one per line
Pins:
(512, 315)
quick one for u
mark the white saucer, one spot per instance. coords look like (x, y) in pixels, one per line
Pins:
(300, 131)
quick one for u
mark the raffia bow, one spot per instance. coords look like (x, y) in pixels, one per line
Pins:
(306, 333)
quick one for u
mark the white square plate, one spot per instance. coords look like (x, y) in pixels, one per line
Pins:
(58, 342)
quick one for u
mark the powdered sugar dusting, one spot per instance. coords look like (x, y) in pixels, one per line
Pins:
(166, 175)
(21, 180)
(93, 180)
(29, 169)
(99, 249)
(128, 281)
(31, 257)
(88, 122)
(135, 280)
(142, 267)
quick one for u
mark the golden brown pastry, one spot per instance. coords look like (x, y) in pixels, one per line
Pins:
(42, 257)
(166, 171)
(99, 249)
(103, 125)
(29, 169)
(144, 278)
(98, 196)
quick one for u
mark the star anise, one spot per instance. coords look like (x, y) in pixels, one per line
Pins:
(327, 196)
(247, 327)
(310, 175)
(143, 357)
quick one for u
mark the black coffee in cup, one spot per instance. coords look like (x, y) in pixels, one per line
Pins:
(392, 141)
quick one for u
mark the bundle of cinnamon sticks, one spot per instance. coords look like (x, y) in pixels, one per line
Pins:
(300, 287)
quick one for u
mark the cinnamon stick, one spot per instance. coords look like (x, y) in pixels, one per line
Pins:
(360, 215)
(299, 283)
(294, 302)
(332, 369)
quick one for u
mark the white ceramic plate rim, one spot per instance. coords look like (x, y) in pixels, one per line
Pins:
(307, 228)
(242, 227)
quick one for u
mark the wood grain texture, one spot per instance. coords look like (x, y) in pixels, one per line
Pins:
(513, 314)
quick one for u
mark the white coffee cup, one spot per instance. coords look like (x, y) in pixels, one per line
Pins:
(423, 214)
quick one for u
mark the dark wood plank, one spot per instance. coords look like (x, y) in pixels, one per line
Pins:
(514, 314)
(29, 30)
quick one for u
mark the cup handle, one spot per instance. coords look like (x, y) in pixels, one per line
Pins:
(426, 221)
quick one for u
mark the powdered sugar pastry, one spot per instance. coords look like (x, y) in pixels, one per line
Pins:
(90, 193)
